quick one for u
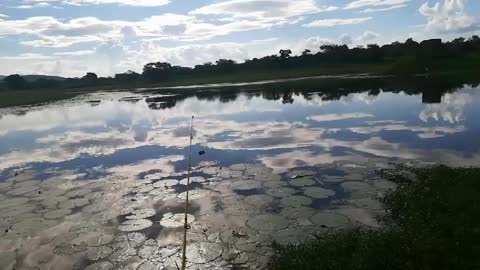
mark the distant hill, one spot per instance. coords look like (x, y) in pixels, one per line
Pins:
(32, 78)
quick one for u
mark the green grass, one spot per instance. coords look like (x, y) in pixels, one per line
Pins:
(433, 223)
(34, 96)
(328, 69)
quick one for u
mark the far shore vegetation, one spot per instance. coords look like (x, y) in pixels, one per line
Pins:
(432, 57)
(432, 223)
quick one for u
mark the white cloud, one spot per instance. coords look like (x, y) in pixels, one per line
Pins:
(25, 56)
(422, 132)
(190, 55)
(139, 3)
(3, 16)
(368, 35)
(372, 10)
(262, 9)
(374, 3)
(449, 16)
(336, 22)
(56, 33)
(34, 5)
(338, 117)
(451, 109)
(346, 39)
(59, 41)
(76, 53)
(312, 43)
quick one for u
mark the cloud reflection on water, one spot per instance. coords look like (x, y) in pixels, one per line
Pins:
(284, 135)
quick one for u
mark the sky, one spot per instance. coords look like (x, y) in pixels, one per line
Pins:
(72, 37)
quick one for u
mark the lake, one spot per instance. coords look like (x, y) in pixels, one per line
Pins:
(98, 181)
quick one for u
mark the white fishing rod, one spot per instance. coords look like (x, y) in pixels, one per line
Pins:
(185, 225)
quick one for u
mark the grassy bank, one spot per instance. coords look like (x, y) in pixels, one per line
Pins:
(444, 68)
(34, 96)
(27, 97)
(432, 223)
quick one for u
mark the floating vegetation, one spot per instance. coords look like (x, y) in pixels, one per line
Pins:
(20, 189)
(144, 188)
(296, 201)
(170, 220)
(238, 167)
(354, 177)
(141, 213)
(69, 204)
(142, 182)
(258, 200)
(122, 251)
(367, 203)
(268, 177)
(16, 210)
(298, 212)
(203, 252)
(331, 220)
(12, 202)
(280, 191)
(302, 181)
(69, 248)
(363, 216)
(96, 207)
(111, 218)
(246, 185)
(98, 253)
(166, 197)
(55, 214)
(100, 266)
(384, 184)
(237, 210)
(93, 239)
(274, 184)
(355, 186)
(135, 239)
(300, 173)
(318, 192)
(227, 173)
(78, 192)
(29, 227)
(161, 191)
(135, 225)
(195, 194)
(8, 259)
(267, 222)
(211, 170)
(333, 179)
(294, 235)
(148, 265)
(5, 185)
(165, 183)
(149, 249)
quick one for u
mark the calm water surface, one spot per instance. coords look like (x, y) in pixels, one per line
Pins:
(98, 182)
(282, 130)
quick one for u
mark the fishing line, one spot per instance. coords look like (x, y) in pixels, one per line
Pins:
(185, 225)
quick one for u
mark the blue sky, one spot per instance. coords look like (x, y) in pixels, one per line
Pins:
(71, 37)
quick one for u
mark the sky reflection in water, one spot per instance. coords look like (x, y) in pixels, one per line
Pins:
(94, 139)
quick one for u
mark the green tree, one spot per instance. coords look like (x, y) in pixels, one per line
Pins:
(284, 54)
(157, 71)
(15, 82)
(90, 76)
(306, 52)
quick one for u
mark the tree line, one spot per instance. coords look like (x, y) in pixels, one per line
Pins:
(407, 57)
